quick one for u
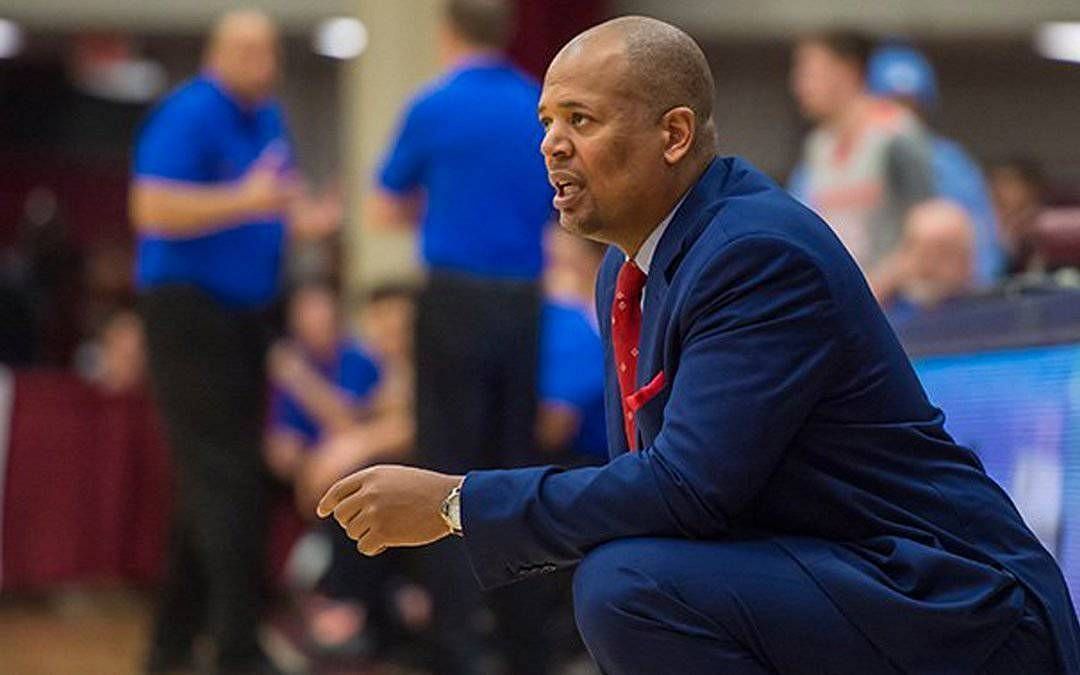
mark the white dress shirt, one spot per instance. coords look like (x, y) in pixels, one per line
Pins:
(643, 257)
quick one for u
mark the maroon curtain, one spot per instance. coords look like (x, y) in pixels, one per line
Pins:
(87, 490)
(543, 26)
(87, 485)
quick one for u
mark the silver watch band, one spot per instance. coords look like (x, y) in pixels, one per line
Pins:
(451, 511)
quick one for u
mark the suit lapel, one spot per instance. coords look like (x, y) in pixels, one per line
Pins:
(683, 230)
(681, 233)
(605, 280)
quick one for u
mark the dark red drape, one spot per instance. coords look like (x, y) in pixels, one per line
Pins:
(544, 26)
(87, 490)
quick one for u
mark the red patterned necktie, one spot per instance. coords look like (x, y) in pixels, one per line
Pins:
(625, 334)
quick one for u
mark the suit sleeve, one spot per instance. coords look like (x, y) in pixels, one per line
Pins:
(757, 349)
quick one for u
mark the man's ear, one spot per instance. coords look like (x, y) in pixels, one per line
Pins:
(680, 128)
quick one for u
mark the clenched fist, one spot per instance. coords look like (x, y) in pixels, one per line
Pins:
(388, 506)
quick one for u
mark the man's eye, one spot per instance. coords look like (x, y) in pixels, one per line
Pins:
(577, 119)
(545, 122)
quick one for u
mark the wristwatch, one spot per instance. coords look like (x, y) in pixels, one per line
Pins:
(451, 511)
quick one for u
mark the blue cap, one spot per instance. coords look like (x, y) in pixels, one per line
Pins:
(901, 71)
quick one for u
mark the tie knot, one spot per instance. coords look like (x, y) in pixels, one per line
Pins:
(630, 282)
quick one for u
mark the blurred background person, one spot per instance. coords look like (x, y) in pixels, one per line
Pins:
(367, 606)
(116, 358)
(903, 74)
(867, 161)
(40, 286)
(323, 385)
(570, 425)
(464, 168)
(107, 281)
(323, 381)
(935, 262)
(387, 432)
(212, 192)
(1018, 187)
(570, 422)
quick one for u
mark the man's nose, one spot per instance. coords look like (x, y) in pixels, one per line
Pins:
(555, 144)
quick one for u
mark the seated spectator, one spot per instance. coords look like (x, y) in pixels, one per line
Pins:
(365, 605)
(387, 432)
(380, 597)
(323, 385)
(115, 358)
(123, 353)
(934, 264)
(107, 283)
(1018, 190)
(322, 382)
(570, 422)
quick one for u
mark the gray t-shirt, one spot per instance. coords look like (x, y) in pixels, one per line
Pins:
(863, 184)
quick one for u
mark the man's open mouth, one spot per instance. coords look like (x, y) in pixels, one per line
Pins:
(567, 188)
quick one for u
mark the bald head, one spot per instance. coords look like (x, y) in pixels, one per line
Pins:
(659, 65)
(627, 113)
(242, 52)
(939, 241)
(940, 220)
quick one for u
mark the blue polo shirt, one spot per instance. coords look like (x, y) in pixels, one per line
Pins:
(572, 373)
(200, 134)
(471, 142)
(958, 177)
(351, 370)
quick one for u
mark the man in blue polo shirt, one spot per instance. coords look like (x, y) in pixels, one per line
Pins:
(464, 168)
(212, 197)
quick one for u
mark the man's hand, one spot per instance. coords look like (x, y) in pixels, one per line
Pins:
(267, 187)
(183, 209)
(286, 364)
(317, 216)
(388, 506)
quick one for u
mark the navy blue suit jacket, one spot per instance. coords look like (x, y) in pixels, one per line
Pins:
(791, 411)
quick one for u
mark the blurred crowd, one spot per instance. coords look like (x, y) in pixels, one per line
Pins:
(385, 378)
(926, 222)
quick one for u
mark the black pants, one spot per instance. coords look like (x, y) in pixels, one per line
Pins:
(208, 373)
(477, 349)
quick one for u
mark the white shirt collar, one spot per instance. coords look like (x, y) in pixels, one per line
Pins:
(644, 256)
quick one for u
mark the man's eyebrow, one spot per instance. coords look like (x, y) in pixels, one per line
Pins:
(566, 105)
(572, 104)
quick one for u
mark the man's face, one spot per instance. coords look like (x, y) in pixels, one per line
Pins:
(821, 81)
(938, 247)
(313, 319)
(249, 61)
(602, 149)
(1010, 191)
